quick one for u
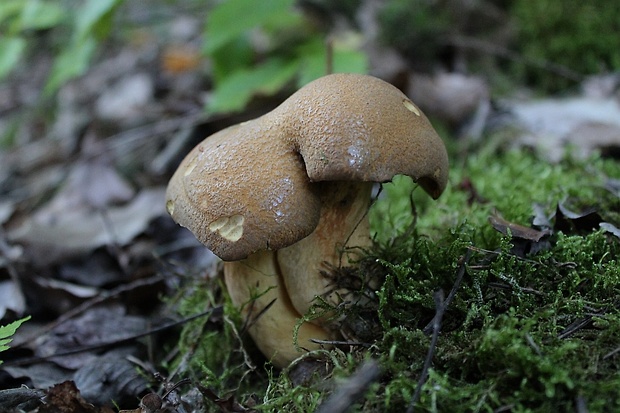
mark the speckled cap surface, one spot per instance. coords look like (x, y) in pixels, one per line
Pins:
(360, 128)
(251, 186)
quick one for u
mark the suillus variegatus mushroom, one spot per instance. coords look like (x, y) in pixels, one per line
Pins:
(279, 196)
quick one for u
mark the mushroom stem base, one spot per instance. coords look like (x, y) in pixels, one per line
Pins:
(255, 286)
(338, 240)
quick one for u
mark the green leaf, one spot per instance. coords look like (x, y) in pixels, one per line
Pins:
(93, 18)
(38, 15)
(7, 332)
(237, 55)
(230, 19)
(11, 51)
(237, 89)
(10, 9)
(72, 62)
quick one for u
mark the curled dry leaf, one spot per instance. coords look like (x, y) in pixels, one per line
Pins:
(612, 229)
(568, 221)
(516, 230)
(65, 398)
(525, 240)
(111, 377)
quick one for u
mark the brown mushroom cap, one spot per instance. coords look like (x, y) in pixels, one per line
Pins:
(242, 190)
(249, 187)
(350, 127)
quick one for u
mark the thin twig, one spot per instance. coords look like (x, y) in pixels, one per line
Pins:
(250, 321)
(98, 299)
(574, 327)
(340, 342)
(580, 405)
(440, 307)
(97, 346)
(611, 353)
(131, 138)
(329, 58)
(457, 283)
(348, 392)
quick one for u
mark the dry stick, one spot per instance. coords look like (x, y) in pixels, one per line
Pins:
(340, 342)
(329, 59)
(31, 360)
(345, 249)
(611, 353)
(101, 297)
(347, 393)
(132, 138)
(580, 405)
(250, 322)
(574, 327)
(440, 307)
(459, 278)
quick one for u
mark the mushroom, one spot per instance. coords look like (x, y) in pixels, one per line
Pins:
(279, 196)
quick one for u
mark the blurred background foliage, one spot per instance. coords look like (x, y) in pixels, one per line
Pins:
(261, 47)
(581, 36)
(77, 28)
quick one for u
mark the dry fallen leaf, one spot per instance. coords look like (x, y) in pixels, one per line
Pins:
(20, 399)
(612, 229)
(65, 398)
(568, 221)
(99, 325)
(49, 237)
(525, 240)
(11, 298)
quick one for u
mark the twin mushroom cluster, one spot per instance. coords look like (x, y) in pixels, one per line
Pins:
(280, 196)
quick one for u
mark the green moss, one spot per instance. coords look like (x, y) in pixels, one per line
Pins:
(210, 348)
(508, 183)
(522, 331)
(579, 36)
(528, 333)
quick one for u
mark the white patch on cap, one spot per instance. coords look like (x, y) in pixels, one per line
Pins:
(230, 228)
(410, 106)
(170, 207)
(190, 167)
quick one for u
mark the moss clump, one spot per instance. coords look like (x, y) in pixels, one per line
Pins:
(533, 333)
(210, 347)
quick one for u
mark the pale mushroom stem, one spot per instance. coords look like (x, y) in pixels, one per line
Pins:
(254, 284)
(338, 240)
